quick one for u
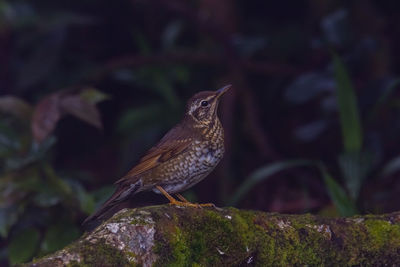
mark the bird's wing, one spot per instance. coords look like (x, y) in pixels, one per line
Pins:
(166, 149)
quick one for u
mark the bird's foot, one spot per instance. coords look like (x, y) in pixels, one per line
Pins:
(183, 204)
(201, 205)
(207, 205)
(189, 204)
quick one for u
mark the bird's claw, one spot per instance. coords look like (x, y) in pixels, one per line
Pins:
(194, 205)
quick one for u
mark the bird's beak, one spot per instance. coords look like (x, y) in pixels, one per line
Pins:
(223, 90)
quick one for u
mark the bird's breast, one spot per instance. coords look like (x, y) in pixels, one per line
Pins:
(208, 154)
(192, 165)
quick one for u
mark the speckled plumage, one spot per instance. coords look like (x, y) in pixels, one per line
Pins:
(182, 158)
(191, 166)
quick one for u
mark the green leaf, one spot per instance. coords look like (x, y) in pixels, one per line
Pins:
(383, 98)
(355, 167)
(345, 205)
(16, 106)
(8, 216)
(348, 109)
(46, 199)
(342, 202)
(58, 184)
(23, 246)
(93, 96)
(263, 174)
(58, 236)
(86, 200)
(102, 194)
(391, 167)
(9, 141)
(37, 153)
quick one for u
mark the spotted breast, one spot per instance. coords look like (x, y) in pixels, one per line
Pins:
(195, 164)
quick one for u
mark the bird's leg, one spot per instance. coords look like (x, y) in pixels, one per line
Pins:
(173, 201)
(201, 205)
(182, 198)
(165, 193)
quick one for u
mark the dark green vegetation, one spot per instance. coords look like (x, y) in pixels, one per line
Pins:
(231, 237)
(86, 87)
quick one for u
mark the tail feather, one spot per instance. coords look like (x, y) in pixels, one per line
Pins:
(122, 193)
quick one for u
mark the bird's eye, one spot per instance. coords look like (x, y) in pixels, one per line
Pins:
(204, 103)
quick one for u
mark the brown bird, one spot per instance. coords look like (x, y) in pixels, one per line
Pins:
(182, 158)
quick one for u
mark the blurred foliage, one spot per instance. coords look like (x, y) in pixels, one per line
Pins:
(354, 163)
(87, 87)
(262, 174)
(36, 198)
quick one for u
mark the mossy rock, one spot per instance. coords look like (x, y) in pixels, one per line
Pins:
(177, 236)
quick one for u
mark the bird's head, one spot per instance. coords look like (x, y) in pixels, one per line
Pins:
(202, 107)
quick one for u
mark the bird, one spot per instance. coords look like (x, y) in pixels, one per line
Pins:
(183, 157)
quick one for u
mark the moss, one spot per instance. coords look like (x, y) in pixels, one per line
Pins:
(77, 264)
(231, 237)
(383, 239)
(180, 250)
(203, 238)
(288, 240)
(291, 244)
(101, 254)
(383, 233)
(211, 238)
(208, 237)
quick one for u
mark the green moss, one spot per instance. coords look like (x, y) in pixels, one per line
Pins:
(291, 244)
(208, 237)
(180, 250)
(383, 233)
(77, 264)
(231, 237)
(384, 240)
(101, 254)
(203, 238)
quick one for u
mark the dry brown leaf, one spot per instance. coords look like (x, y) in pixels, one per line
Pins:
(75, 105)
(45, 117)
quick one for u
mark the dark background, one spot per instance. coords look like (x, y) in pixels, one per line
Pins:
(312, 121)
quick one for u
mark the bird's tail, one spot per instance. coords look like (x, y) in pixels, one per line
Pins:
(111, 206)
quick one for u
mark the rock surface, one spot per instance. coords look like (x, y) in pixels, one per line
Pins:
(175, 236)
